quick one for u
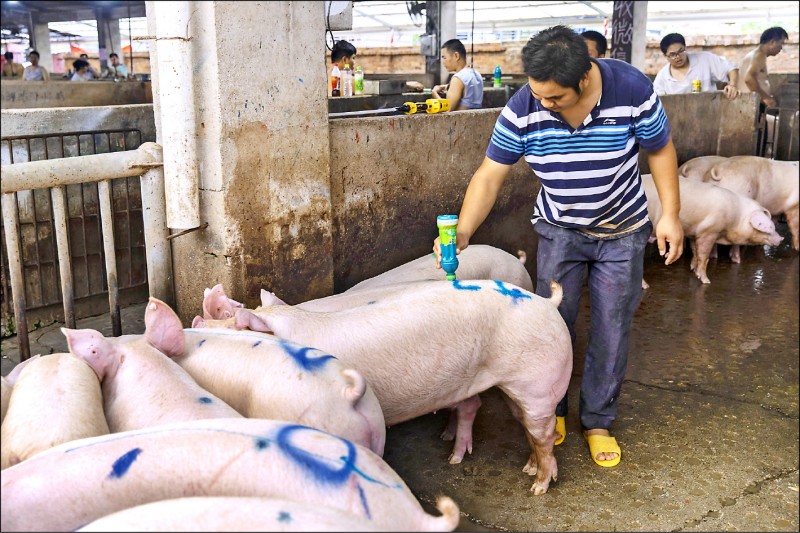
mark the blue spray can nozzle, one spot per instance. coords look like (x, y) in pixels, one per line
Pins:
(447, 225)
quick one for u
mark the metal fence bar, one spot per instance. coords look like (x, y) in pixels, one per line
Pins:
(144, 162)
(107, 219)
(10, 226)
(58, 195)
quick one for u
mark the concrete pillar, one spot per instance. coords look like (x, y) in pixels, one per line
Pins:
(101, 18)
(113, 38)
(433, 40)
(447, 21)
(629, 32)
(41, 38)
(263, 154)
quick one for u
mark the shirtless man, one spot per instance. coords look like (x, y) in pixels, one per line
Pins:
(754, 65)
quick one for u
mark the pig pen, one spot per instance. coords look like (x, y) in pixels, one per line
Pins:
(708, 414)
(708, 417)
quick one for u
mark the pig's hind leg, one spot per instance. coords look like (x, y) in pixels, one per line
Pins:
(540, 432)
(459, 426)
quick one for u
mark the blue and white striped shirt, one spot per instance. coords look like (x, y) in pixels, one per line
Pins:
(590, 175)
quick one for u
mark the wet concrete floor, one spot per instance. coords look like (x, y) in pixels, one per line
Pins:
(708, 415)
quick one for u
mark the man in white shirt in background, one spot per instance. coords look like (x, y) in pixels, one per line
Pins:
(465, 90)
(684, 67)
(117, 70)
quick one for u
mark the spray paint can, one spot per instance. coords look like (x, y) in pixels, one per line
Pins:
(447, 225)
(696, 86)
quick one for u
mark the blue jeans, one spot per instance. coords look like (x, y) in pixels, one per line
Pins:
(615, 268)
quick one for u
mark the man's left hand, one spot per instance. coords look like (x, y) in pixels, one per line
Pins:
(669, 230)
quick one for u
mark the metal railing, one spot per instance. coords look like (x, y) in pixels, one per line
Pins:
(146, 162)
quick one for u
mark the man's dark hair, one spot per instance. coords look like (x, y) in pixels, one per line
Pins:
(113, 54)
(454, 45)
(85, 55)
(670, 39)
(774, 33)
(79, 64)
(9, 56)
(342, 49)
(558, 54)
(32, 52)
(599, 39)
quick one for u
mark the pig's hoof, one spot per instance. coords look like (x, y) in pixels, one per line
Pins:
(530, 469)
(539, 488)
(455, 459)
(447, 435)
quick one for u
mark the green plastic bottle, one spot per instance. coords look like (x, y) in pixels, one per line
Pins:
(358, 87)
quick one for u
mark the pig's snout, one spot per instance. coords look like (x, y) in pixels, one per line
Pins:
(774, 239)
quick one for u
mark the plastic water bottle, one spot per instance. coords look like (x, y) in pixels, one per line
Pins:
(358, 87)
(497, 74)
(335, 77)
(347, 81)
(447, 225)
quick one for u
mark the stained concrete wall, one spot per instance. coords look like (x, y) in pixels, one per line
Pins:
(263, 155)
(392, 176)
(56, 93)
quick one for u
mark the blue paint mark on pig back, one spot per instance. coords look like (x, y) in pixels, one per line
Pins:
(300, 356)
(458, 284)
(316, 467)
(205, 399)
(515, 293)
(121, 465)
(364, 502)
(256, 344)
(284, 517)
(202, 342)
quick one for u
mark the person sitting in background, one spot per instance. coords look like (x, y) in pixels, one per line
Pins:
(34, 71)
(754, 65)
(465, 90)
(92, 71)
(596, 43)
(81, 71)
(344, 53)
(116, 70)
(11, 69)
(683, 67)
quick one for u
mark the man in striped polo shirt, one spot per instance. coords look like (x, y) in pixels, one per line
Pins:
(579, 124)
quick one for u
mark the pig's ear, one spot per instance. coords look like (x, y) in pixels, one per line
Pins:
(246, 319)
(714, 175)
(216, 304)
(269, 298)
(92, 347)
(356, 385)
(198, 322)
(762, 221)
(163, 329)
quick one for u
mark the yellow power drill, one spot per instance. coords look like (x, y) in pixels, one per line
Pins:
(431, 105)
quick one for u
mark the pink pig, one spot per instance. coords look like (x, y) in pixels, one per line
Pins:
(142, 386)
(712, 214)
(221, 513)
(478, 261)
(56, 398)
(78, 482)
(433, 344)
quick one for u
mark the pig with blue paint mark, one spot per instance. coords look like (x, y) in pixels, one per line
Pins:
(479, 261)
(76, 483)
(263, 376)
(429, 345)
(230, 514)
(56, 398)
(142, 386)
